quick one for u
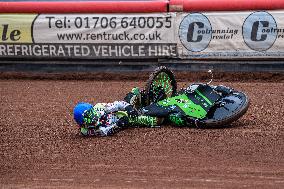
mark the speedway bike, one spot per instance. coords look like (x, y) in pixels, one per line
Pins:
(204, 105)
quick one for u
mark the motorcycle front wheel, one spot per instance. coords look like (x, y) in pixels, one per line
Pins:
(160, 85)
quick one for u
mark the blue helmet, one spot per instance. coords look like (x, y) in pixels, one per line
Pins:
(79, 111)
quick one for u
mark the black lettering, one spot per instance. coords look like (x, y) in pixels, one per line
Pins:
(4, 33)
(15, 35)
(255, 28)
(49, 20)
(126, 36)
(191, 32)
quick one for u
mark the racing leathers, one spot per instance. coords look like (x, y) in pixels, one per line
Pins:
(105, 119)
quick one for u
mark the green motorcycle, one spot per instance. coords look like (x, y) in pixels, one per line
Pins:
(199, 104)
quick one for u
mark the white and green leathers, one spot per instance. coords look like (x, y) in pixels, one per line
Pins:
(108, 118)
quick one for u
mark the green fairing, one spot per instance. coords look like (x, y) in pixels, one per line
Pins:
(204, 97)
(186, 105)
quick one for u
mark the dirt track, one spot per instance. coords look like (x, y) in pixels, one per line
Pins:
(40, 146)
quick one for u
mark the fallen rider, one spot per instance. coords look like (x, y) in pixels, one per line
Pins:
(104, 119)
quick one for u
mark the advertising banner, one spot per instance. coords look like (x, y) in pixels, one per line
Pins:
(212, 35)
(231, 35)
(16, 28)
(90, 36)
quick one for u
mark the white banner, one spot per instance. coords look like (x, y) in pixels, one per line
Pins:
(90, 36)
(219, 35)
(231, 34)
(104, 28)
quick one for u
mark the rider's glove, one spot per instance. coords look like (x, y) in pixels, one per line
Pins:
(84, 131)
(123, 122)
(132, 112)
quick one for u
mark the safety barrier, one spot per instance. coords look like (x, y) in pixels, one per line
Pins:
(132, 6)
(224, 5)
(83, 6)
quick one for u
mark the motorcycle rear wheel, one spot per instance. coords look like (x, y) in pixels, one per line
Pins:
(229, 109)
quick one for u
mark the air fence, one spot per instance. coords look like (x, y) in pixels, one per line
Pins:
(175, 32)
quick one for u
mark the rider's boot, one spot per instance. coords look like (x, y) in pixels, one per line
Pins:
(145, 121)
(134, 97)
